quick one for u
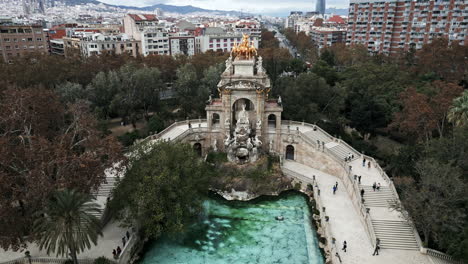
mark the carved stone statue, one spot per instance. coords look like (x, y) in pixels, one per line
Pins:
(259, 124)
(243, 117)
(227, 122)
(279, 100)
(215, 145)
(243, 147)
(260, 68)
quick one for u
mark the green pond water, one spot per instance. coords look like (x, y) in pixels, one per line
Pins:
(244, 232)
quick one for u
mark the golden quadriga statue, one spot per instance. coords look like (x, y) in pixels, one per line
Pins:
(245, 50)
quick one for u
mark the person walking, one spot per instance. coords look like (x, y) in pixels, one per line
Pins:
(368, 165)
(378, 186)
(123, 241)
(359, 179)
(128, 235)
(336, 186)
(364, 162)
(334, 189)
(114, 253)
(119, 251)
(362, 192)
(345, 246)
(374, 186)
(377, 247)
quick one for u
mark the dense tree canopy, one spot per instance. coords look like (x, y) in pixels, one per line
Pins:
(45, 146)
(163, 189)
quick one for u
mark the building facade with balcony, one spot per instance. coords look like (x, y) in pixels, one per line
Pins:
(387, 26)
(325, 37)
(19, 40)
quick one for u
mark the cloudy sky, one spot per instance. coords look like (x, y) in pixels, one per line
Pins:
(256, 6)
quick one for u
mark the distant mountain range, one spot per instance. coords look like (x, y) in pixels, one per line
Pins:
(166, 8)
(189, 9)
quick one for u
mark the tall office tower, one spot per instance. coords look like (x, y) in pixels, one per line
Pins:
(26, 7)
(386, 26)
(320, 7)
(33, 6)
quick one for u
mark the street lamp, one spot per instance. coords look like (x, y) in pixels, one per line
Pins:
(28, 255)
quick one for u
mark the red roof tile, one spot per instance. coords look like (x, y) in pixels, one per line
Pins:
(144, 17)
(336, 19)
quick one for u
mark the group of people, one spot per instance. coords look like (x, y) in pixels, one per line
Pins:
(364, 163)
(320, 145)
(116, 252)
(376, 186)
(335, 188)
(349, 157)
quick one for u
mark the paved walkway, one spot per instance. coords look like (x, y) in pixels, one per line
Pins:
(346, 224)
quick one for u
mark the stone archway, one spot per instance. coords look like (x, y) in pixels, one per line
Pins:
(290, 152)
(197, 147)
(215, 120)
(272, 121)
(237, 107)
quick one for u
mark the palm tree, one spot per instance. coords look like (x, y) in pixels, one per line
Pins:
(458, 113)
(68, 224)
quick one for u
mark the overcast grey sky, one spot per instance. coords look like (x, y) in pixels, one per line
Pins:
(252, 6)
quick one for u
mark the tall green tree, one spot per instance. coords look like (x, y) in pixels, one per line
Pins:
(308, 97)
(68, 224)
(433, 202)
(164, 188)
(189, 90)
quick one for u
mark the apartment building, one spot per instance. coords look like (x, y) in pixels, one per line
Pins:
(325, 37)
(19, 40)
(386, 26)
(182, 44)
(155, 41)
(97, 44)
(136, 24)
(216, 39)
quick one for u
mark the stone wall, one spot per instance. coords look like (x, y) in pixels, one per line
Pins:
(309, 155)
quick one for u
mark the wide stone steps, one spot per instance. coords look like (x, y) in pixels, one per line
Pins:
(341, 151)
(317, 135)
(381, 198)
(106, 188)
(395, 234)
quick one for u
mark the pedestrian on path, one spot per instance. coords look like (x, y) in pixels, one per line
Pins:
(123, 241)
(368, 165)
(119, 251)
(334, 189)
(344, 246)
(359, 179)
(374, 186)
(362, 192)
(128, 235)
(114, 253)
(336, 186)
(378, 186)
(377, 247)
(364, 162)
(318, 192)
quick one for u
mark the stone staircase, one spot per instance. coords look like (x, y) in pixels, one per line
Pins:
(395, 235)
(381, 198)
(317, 135)
(342, 151)
(106, 188)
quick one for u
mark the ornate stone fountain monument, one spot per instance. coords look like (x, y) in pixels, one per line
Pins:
(244, 117)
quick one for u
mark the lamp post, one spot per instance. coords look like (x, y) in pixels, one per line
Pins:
(28, 255)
